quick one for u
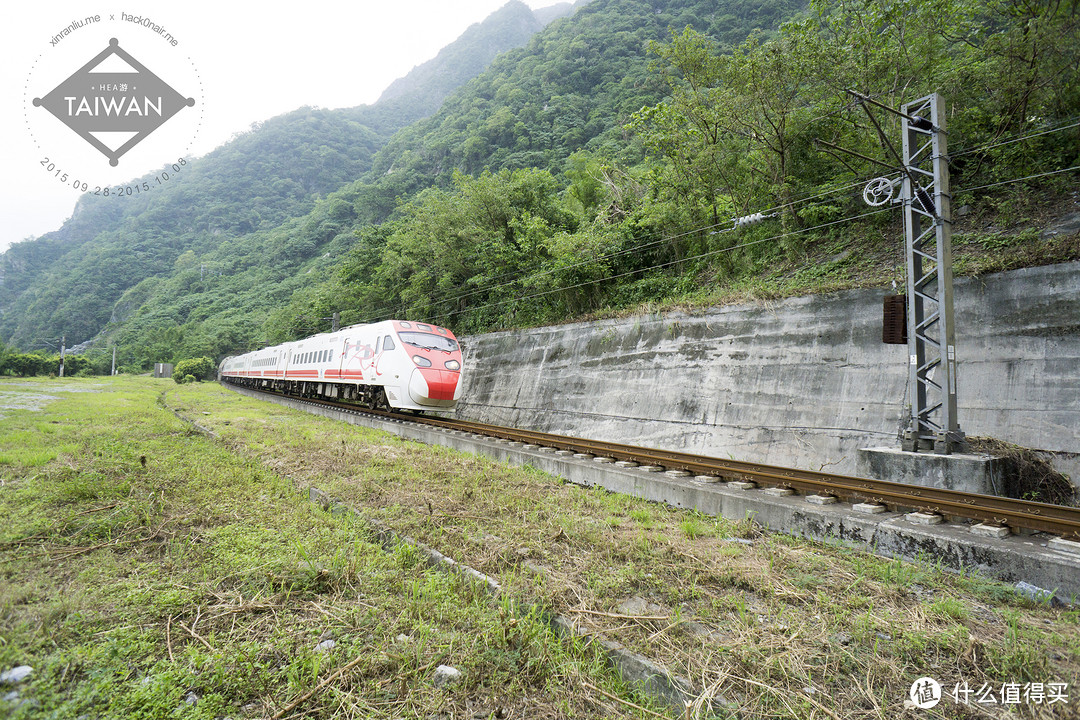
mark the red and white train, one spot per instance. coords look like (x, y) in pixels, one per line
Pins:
(395, 364)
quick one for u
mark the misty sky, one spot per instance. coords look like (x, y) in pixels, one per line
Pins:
(253, 60)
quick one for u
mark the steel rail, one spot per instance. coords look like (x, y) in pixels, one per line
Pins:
(991, 509)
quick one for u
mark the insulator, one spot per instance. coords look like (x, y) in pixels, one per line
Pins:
(925, 202)
(748, 219)
(922, 123)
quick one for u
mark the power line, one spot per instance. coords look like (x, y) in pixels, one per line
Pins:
(721, 250)
(404, 307)
(670, 263)
(1015, 180)
(516, 277)
(983, 148)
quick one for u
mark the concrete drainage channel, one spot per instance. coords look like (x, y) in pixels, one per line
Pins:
(1044, 568)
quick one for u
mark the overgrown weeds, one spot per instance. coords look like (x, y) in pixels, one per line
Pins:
(766, 625)
(151, 572)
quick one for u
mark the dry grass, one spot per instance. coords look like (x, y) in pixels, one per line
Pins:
(768, 625)
(149, 565)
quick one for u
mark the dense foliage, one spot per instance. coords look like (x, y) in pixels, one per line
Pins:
(598, 167)
(736, 133)
(20, 364)
(200, 368)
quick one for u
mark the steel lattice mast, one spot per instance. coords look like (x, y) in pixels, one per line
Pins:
(931, 327)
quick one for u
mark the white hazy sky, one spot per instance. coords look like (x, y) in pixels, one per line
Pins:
(255, 61)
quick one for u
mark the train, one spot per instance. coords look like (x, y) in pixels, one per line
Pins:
(388, 365)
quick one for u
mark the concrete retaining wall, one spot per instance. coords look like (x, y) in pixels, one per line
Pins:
(803, 382)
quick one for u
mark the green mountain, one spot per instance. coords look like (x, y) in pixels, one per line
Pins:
(66, 283)
(422, 91)
(595, 167)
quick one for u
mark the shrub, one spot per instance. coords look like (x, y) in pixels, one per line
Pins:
(202, 368)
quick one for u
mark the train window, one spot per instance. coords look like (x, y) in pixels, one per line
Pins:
(389, 344)
(405, 324)
(428, 341)
(421, 326)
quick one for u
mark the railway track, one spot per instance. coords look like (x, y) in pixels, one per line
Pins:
(990, 510)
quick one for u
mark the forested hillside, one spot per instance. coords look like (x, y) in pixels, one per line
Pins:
(599, 167)
(67, 283)
(556, 189)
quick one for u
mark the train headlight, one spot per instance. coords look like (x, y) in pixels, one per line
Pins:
(452, 365)
(421, 361)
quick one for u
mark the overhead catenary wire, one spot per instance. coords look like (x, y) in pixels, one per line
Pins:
(733, 223)
(728, 249)
(1015, 180)
(668, 263)
(516, 277)
(1072, 123)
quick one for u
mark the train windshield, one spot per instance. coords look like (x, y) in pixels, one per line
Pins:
(428, 341)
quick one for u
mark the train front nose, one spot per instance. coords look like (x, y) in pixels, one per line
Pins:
(436, 388)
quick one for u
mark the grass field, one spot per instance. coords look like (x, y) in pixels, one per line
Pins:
(148, 570)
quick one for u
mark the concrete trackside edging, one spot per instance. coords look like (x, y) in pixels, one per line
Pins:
(635, 669)
(1039, 560)
(183, 418)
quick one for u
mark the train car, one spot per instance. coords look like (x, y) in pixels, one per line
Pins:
(396, 364)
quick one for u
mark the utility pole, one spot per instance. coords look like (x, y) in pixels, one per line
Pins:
(63, 346)
(113, 372)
